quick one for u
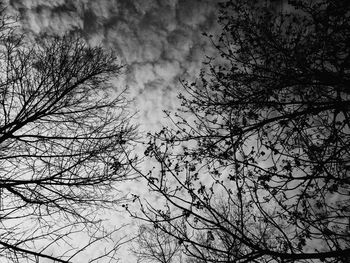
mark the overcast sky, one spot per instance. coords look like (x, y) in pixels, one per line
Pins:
(159, 41)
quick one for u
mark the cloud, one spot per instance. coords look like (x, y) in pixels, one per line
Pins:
(159, 40)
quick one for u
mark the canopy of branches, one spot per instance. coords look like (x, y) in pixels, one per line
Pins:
(64, 136)
(257, 166)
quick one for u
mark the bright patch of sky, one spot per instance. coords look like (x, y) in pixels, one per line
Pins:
(159, 41)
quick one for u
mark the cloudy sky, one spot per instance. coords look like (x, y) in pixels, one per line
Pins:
(159, 41)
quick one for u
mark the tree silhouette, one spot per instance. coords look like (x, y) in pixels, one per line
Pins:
(64, 137)
(257, 166)
(154, 245)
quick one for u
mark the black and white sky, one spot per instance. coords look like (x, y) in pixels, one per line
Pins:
(159, 41)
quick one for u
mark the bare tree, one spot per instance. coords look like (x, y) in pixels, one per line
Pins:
(265, 128)
(64, 136)
(154, 245)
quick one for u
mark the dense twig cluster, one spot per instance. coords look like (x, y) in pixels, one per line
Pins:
(257, 166)
(63, 140)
